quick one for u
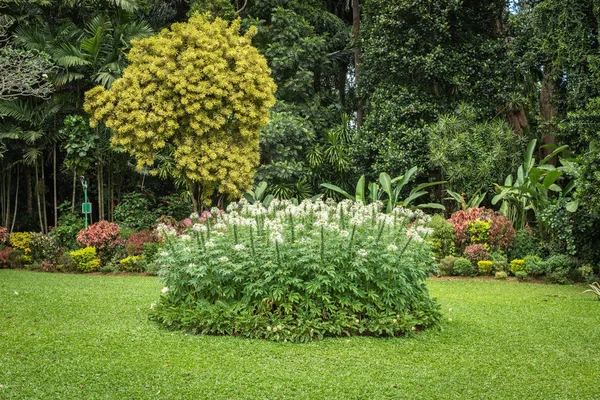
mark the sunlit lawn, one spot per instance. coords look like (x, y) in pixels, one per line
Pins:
(88, 337)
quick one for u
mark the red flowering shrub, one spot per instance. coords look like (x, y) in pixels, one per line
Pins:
(3, 234)
(100, 235)
(476, 252)
(500, 235)
(5, 257)
(135, 243)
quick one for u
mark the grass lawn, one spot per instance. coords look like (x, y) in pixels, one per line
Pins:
(88, 337)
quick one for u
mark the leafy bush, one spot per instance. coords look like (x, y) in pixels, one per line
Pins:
(175, 205)
(149, 255)
(69, 224)
(65, 263)
(43, 247)
(586, 272)
(299, 272)
(446, 266)
(535, 266)
(501, 275)
(525, 244)
(521, 276)
(85, 259)
(471, 226)
(442, 238)
(463, 267)
(558, 268)
(485, 267)
(5, 257)
(3, 235)
(22, 241)
(135, 243)
(516, 266)
(476, 253)
(132, 264)
(103, 236)
(133, 211)
(499, 261)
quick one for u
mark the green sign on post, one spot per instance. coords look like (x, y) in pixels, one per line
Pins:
(86, 208)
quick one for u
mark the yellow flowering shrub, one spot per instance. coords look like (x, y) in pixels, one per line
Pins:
(86, 259)
(199, 87)
(22, 241)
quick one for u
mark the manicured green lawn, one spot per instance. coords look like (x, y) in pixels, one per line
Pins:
(88, 337)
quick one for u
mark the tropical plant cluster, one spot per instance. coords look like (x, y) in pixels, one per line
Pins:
(298, 272)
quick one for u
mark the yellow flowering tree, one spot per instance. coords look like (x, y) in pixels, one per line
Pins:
(199, 88)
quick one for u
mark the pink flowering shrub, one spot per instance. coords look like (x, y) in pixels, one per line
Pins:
(476, 253)
(499, 237)
(99, 235)
(3, 235)
(135, 243)
(5, 257)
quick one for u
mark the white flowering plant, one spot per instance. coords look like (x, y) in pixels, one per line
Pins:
(298, 272)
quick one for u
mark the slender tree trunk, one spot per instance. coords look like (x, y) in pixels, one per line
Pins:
(12, 226)
(43, 195)
(100, 192)
(29, 191)
(54, 185)
(357, 58)
(37, 196)
(7, 195)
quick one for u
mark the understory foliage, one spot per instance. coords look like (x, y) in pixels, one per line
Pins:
(298, 273)
(480, 225)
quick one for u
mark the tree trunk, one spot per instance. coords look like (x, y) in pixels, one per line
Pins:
(357, 58)
(43, 195)
(37, 197)
(12, 226)
(29, 191)
(518, 120)
(54, 186)
(548, 111)
(100, 181)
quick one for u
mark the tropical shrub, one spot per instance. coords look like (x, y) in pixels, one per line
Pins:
(501, 275)
(4, 235)
(484, 267)
(5, 257)
(535, 266)
(558, 268)
(499, 261)
(476, 253)
(135, 244)
(132, 264)
(517, 265)
(442, 237)
(298, 273)
(483, 226)
(69, 224)
(85, 259)
(43, 247)
(133, 211)
(175, 205)
(586, 272)
(103, 236)
(22, 241)
(446, 266)
(463, 267)
(525, 243)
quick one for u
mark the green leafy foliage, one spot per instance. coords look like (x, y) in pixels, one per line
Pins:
(446, 266)
(463, 267)
(443, 237)
(134, 211)
(298, 273)
(501, 275)
(517, 265)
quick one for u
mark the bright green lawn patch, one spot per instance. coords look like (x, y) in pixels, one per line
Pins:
(88, 337)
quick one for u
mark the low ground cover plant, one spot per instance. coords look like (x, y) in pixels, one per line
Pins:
(287, 272)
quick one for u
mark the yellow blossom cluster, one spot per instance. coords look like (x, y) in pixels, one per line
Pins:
(200, 86)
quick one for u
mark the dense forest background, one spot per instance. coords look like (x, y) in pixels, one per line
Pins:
(456, 88)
